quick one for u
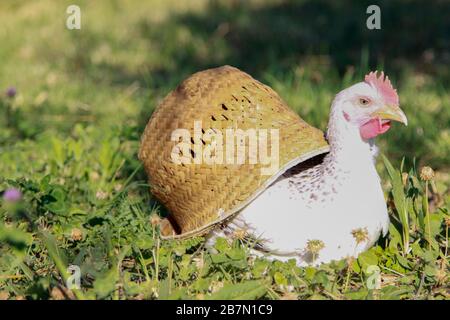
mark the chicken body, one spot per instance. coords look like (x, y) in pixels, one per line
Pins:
(338, 204)
(329, 211)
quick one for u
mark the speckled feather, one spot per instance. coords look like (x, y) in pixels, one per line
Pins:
(327, 208)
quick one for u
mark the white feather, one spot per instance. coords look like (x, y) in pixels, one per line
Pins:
(329, 202)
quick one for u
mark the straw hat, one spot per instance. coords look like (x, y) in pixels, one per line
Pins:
(184, 148)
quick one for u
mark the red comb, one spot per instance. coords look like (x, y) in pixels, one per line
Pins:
(384, 87)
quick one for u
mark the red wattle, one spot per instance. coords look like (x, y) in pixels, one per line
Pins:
(373, 128)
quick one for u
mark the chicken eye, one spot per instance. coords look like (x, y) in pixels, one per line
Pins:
(364, 101)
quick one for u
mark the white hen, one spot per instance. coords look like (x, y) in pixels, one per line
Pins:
(331, 208)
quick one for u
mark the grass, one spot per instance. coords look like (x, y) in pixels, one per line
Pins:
(69, 141)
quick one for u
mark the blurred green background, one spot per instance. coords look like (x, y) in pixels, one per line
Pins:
(129, 54)
(73, 104)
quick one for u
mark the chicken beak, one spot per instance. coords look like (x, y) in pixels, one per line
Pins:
(391, 112)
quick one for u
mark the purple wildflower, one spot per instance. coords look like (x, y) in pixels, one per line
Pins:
(11, 92)
(12, 195)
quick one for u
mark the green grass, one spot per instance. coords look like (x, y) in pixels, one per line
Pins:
(69, 141)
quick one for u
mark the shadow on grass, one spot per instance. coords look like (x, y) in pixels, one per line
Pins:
(257, 37)
(253, 37)
(278, 37)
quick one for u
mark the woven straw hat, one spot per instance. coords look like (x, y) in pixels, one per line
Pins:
(201, 195)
